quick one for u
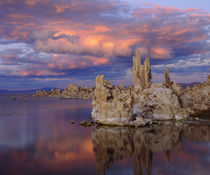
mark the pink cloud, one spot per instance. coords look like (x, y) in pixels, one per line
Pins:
(157, 39)
(37, 73)
(79, 34)
(61, 62)
(97, 61)
(158, 52)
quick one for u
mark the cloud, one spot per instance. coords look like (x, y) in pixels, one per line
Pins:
(36, 73)
(181, 78)
(161, 32)
(79, 38)
(22, 62)
(195, 61)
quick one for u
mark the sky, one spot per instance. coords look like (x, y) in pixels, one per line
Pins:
(52, 43)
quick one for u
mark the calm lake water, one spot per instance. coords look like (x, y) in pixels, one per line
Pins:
(36, 137)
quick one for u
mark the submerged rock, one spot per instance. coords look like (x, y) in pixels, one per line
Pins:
(86, 123)
(72, 122)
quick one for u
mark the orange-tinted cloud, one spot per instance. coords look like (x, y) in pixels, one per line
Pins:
(150, 27)
(98, 61)
(37, 73)
(96, 33)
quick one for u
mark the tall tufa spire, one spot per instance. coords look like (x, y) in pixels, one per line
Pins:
(167, 80)
(141, 73)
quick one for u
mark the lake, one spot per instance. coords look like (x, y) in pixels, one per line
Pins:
(36, 138)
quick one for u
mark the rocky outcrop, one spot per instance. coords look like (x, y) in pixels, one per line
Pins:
(178, 90)
(76, 91)
(41, 93)
(159, 103)
(167, 82)
(55, 92)
(208, 80)
(196, 99)
(141, 73)
(111, 104)
(73, 91)
(146, 101)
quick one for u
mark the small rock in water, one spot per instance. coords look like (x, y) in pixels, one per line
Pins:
(83, 123)
(140, 121)
(72, 122)
(86, 123)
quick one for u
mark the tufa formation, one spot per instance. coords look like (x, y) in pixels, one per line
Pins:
(142, 103)
(73, 91)
(141, 73)
(146, 102)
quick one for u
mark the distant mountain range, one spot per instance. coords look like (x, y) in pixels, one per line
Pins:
(184, 85)
(26, 91)
(48, 89)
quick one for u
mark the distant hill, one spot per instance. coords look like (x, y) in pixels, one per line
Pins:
(48, 89)
(26, 91)
(184, 85)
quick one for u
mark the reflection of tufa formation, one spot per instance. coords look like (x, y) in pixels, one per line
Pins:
(113, 144)
(135, 106)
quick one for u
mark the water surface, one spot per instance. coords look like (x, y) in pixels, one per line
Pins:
(36, 137)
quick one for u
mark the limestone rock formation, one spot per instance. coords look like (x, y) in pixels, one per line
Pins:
(111, 104)
(73, 91)
(134, 106)
(208, 80)
(55, 92)
(41, 93)
(76, 91)
(141, 73)
(167, 82)
(196, 99)
(158, 103)
(178, 90)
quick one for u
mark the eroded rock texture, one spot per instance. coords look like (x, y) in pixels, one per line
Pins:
(157, 103)
(76, 91)
(167, 82)
(111, 104)
(141, 73)
(196, 99)
(41, 93)
(145, 100)
(73, 91)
